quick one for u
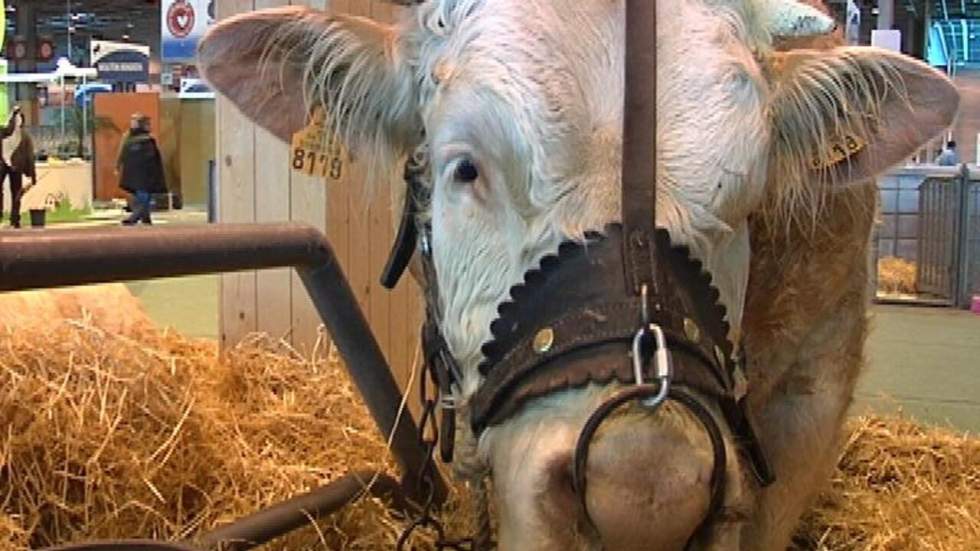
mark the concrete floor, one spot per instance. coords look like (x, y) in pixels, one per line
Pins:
(924, 361)
(188, 304)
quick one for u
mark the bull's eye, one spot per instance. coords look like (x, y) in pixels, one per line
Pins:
(466, 172)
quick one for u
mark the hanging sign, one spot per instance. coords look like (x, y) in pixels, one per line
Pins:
(183, 23)
(17, 48)
(45, 48)
(121, 62)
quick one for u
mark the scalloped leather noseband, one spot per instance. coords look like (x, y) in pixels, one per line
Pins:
(572, 322)
(625, 307)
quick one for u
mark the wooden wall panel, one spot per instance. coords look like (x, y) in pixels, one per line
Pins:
(273, 200)
(169, 142)
(118, 108)
(236, 201)
(197, 141)
(358, 224)
(309, 204)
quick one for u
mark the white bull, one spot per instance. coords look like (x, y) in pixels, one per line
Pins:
(519, 105)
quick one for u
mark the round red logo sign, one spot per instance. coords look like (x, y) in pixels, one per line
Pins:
(180, 19)
(46, 50)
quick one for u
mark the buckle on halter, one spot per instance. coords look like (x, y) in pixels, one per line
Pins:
(663, 370)
(447, 402)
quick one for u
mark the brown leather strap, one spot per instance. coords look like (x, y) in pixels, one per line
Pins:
(640, 144)
(405, 243)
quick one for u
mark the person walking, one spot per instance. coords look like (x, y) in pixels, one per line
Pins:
(16, 161)
(141, 169)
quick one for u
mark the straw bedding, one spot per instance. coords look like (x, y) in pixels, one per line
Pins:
(154, 435)
(896, 276)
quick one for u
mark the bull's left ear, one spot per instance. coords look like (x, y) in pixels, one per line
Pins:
(849, 114)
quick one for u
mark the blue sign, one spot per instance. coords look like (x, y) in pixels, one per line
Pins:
(84, 93)
(124, 66)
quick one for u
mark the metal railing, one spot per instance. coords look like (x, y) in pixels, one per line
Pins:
(929, 216)
(54, 258)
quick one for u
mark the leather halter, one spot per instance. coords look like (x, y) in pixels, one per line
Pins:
(572, 322)
(587, 314)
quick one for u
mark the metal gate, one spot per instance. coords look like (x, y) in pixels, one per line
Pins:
(971, 244)
(938, 230)
(930, 224)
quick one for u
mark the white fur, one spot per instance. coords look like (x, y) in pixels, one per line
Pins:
(791, 19)
(532, 91)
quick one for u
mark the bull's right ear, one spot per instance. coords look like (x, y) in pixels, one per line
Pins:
(279, 65)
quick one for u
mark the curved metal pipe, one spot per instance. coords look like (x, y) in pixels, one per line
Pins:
(125, 545)
(56, 258)
(280, 519)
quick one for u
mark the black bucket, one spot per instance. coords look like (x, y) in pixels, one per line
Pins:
(37, 217)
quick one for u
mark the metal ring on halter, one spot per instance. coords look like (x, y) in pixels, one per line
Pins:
(662, 368)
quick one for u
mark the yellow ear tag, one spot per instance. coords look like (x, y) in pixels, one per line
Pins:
(314, 152)
(849, 146)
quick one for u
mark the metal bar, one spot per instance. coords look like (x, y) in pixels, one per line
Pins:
(125, 545)
(54, 258)
(961, 273)
(973, 243)
(965, 34)
(271, 523)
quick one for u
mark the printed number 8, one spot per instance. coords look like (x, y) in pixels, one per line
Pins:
(298, 156)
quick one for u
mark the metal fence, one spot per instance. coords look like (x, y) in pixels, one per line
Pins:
(971, 243)
(938, 226)
(929, 220)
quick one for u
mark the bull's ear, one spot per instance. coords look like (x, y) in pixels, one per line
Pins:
(279, 65)
(849, 114)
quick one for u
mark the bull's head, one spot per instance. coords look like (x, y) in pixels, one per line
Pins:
(519, 106)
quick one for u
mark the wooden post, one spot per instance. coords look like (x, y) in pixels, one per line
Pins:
(236, 201)
(273, 199)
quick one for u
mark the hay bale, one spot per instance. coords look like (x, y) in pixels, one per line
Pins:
(156, 435)
(110, 307)
(897, 276)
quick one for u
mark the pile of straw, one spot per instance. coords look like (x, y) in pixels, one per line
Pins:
(899, 485)
(152, 435)
(896, 276)
(155, 435)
